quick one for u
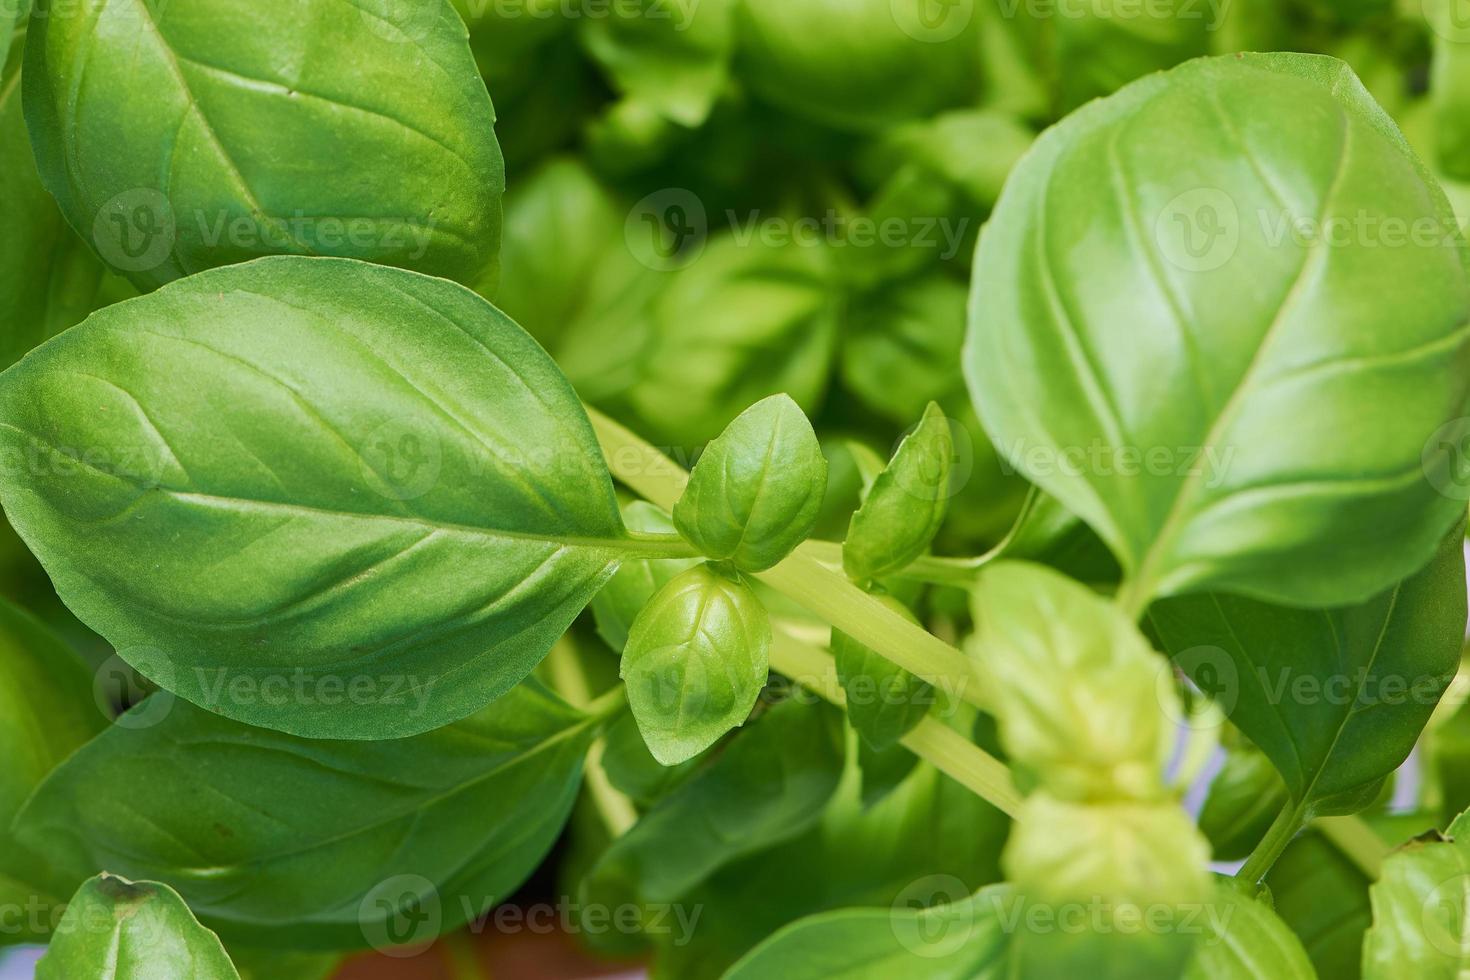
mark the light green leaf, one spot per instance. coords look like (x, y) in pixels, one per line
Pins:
(884, 701)
(117, 930)
(1083, 702)
(287, 842)
(965, 940)
(757, 490)
(1336, 698)
(373, 508)
(183, 138)
(634, 583)
(673, 55)
(1118, 860)
(697, 658)
(1243, 939)
(905, 507)
(768, 786)
(1196, 370)
(1421, 911)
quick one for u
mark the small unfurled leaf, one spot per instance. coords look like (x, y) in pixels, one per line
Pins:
(637, 579)
(757, 490)
(905, 506)
(1337, 697)
(696, 660)
(1084, 703)
(1118, 859)
(1421, 911)
(884, 701)
(317, 495)
(281, 841)
(115, 929)
(768, 786)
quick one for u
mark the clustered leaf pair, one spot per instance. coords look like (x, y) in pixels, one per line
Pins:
(345, 515)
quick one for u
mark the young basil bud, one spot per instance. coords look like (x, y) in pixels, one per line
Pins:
(906, 505)
(756, 492)
(696, 659)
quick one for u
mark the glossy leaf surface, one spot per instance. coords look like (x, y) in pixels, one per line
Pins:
(375, 489)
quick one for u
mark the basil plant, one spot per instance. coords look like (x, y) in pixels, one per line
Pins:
(906, 491)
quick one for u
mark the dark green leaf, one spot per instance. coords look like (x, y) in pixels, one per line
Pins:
(1245, 797)
(884, 701)
(1336, 698)
(117, 930)
(287, 842)
(370, 510)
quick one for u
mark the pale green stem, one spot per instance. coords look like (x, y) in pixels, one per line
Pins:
(802, 577)
(931, 740)
(1283, 829)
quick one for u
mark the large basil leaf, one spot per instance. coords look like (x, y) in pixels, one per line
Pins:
(115, 929)
(1195, 363)
(48, 279)
(277, 840)
(371, 509)
(183, 136)
(1421, 911)
(1336, 698)
(964, 940)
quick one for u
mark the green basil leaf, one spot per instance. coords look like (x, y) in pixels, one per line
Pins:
(1449, 90)
(1421, 907)
(768, 786)
(632, 769)
(634, 583)
(697, 658)
(373, 508)
(280, 841)
(965, 940)
(1119, 858)
(906, 505)
(1203, 410)
(117, 930)
(48, 279)
(1083, 701)
(901, 346)
(276, 127)
(1323, 897)
(672, 54)
(858, 64)
(560, 225)
(1243, 938)
(884, 701)
(1244, 798)
(1336, 698)
(757, 490)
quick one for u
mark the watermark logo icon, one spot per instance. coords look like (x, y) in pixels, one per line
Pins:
(666, 230)
(402, 458)
(116, 684)
(1446, 459)
(1442, 916)
(1199, 231)
(933, 21)
(401, 914)
(933, 917)
(1213, 673)
(136, 230)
